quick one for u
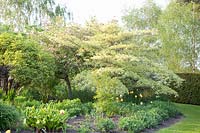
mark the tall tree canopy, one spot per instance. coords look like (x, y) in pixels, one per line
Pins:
(143, 18)
(188, 1)
(20, 13)
(91, 54)
(120, 66)
(29, 64)
(178, 30)
(65, 43)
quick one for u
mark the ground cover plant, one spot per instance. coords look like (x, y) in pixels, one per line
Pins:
(46, 117)
(143, 117)
(64, 116)
(147, 118)
(9, 117)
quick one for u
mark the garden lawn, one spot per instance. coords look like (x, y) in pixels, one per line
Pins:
(189, 124)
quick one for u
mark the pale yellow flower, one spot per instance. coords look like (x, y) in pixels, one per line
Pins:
(8, 131)
(131, 92)
(37, 122)
(62, 112)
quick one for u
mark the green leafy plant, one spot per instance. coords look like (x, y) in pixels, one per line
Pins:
(130, 124)
(22, 102)
(46, 117)
(30, 65)
(105, 124)
(148, 116)
(72, 107)
(107, 89)
(9, 117)
(87, 107)
(84, 128)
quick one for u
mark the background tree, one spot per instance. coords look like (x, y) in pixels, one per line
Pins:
(178, 30)
(145, 17)
(30, 12)
(143, 23)
(188, 1)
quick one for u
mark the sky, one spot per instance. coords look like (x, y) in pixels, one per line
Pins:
(103, 10)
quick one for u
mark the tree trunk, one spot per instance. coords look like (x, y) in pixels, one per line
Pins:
(6, 85)
(68, 86)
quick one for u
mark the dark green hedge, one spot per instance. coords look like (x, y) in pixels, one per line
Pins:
(189, 92)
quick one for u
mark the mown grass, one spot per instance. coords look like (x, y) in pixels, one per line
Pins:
(190, 122)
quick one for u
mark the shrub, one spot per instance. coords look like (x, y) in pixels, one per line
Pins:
(127, 108)
(189, 92)
(87, 108)
(107, 90)
(53, 116)
(131, 124)
(31, 94)
(148, 116)
(84, 87)
(84, 128)
(84, 95)
(140, 120)
(9, 117)
(20, 99)
(22, 102)
(32, 66)
(32, 103)
(1, 93)
(72, 107)
(60, 92)
(105, 124)
(46, 117)
(166, 107)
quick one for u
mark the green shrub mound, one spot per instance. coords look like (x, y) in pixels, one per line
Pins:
(9, 117)
(53, 116)
(189, 92)
(149, 116)
(23, 102)
(105, 124)
(46, 117)
(74, 107)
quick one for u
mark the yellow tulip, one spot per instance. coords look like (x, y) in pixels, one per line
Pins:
(8, 131)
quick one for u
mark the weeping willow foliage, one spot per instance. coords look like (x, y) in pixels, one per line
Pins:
(178, 31)
(20, 13)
